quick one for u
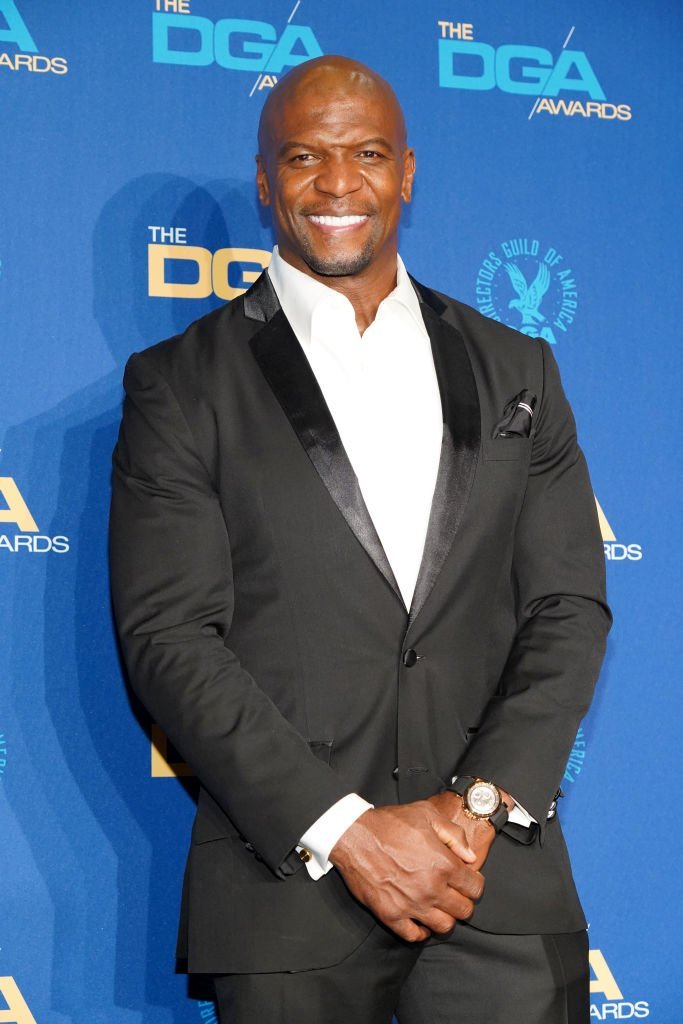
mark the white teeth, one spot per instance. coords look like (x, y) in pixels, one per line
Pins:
(338, 222)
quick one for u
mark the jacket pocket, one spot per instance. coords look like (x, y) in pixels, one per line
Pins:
(322, 749)
(500, 449)
(211, 821)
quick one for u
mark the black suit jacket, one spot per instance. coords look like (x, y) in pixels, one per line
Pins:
(263, 628)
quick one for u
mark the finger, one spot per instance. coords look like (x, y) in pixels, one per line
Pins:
(454, 904)
(466, 881)
(453, 836)
(438, 922)
(409, 930)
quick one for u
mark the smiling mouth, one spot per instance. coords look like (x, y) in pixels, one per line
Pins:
(331, 223)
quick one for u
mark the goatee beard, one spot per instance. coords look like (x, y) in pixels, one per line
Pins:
(339, 266)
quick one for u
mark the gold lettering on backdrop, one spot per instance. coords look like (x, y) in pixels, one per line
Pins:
(17, 1011)
(158, 285)
(17, 510)
(212, 271)
(165, 764)
(605, 528)
(604, 981)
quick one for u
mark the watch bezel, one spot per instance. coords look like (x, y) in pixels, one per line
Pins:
(470, 811)
(460, 784)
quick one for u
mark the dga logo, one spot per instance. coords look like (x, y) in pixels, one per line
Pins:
(15, 31)
(18, 514)
(615, 551)
(607, 1000)
(576, 758)
(527, 286)
(16, 1010)
(236, 44)
(467, 63)
(177, 270)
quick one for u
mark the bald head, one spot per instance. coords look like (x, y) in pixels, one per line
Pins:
(334, 167)
(326, 80)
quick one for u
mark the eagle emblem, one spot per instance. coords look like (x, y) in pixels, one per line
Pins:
(530, 296)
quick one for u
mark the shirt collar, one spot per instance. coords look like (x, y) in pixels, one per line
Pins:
(301, 295)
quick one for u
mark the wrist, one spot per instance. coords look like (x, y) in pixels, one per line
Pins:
(342, 852)
(482, 800)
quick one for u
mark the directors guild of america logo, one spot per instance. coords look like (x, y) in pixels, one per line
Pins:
(527, 285)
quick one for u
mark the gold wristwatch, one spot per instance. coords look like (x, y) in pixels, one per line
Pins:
(482, 800)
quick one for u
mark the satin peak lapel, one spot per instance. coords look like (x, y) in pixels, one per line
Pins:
(459, 445)
(288, 372)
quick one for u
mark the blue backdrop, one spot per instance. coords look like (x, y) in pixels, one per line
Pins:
(547, 136)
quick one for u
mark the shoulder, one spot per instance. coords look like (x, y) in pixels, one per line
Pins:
(497, 352)
(186, 382)
(504, 361)
(206, 364)
(489, 337)
(216, 336)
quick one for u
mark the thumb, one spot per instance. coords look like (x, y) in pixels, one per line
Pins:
(453, 836)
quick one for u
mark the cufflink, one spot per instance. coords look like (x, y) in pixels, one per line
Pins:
(305, 855)
(552, 810)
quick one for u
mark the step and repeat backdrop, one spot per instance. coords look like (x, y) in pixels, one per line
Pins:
(549, 152)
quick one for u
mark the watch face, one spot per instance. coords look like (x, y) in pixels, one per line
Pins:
(483, 799)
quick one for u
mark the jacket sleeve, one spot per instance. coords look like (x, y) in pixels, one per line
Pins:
(173, 598)
(558, 575)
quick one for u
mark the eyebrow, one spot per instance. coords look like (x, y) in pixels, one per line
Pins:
(363, 144)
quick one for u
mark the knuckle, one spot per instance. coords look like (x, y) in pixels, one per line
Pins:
(478, 886)
(472, 890)
(441, 877)
(468, 910)
(471, 884)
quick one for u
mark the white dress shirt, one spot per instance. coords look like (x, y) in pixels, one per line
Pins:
(383, 394)
(384, 397)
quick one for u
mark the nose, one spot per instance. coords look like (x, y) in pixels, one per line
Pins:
(338, 177)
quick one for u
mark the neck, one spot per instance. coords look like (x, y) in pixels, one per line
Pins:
(364, 290)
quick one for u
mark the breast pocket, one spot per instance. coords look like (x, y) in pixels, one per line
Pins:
(504, 449)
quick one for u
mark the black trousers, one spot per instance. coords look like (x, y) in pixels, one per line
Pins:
(472, 977)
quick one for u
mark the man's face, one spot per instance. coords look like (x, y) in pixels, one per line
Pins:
(335, 169)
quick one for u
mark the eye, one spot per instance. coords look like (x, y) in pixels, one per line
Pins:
(370, 154)
(303, 158)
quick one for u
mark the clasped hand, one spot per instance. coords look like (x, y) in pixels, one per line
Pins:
(416, 866)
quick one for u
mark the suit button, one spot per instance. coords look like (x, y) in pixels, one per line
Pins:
(395, 773)
(409, 657)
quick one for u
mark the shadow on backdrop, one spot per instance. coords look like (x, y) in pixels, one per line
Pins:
(110, 836)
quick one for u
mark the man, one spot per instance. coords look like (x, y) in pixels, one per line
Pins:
(358, 580)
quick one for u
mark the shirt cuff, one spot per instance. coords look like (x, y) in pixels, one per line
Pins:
(330, 826)
(518, 816)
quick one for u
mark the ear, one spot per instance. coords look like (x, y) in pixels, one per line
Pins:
(262, 182)
(408, 175)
